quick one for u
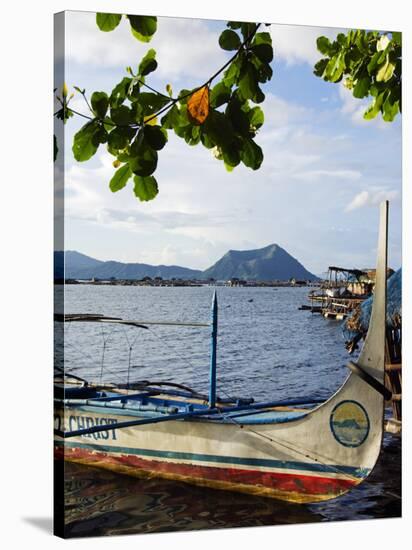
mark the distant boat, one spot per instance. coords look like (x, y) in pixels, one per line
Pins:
(296, 450)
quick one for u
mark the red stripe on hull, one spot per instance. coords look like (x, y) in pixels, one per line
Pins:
(300, 487)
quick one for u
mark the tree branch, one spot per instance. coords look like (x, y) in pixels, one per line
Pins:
(209, 81)
(173, 101)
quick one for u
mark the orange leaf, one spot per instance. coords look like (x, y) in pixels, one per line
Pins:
(198, 105)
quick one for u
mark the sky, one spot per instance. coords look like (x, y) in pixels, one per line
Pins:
(325, 169)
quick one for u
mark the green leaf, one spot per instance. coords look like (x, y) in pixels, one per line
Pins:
(361, 88)
(390, 107)
(148, 64)
(231, 155)
(119, 92)
(155, 136)
(171, 118)
(335, 67)
(145, 188)
(121, 115)
(120, 137)
(361, 42)
(100, 136)
(262, 38)
(341, 39)
(182, 131)
(385, 73)
(263, 70)
(100, 103)
(143, 159)
(120, 178)
(191, 134)
(251, 154)
(219, 128)
(206, 139)
(397, 38)
(233, 24)
(143, 26)
(133, 91)
(256, 117)
(324, 45)
(151, 103)
(247, 29)
(229, 40)
(86, 141)
(390, 111)
(264, 52)
(219, 95)
(238, 118)
(375, 60)
(259, 97)
(374, 108)
(320, 67)
(231, 75)
(107, 21)
(247, 84)
(383, 43)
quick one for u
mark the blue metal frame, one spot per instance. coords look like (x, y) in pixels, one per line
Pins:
(213, 352)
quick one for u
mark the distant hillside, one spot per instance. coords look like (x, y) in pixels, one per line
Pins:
(264, 264)
(80, 266)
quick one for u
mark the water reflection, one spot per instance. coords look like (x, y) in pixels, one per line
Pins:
(102, 503)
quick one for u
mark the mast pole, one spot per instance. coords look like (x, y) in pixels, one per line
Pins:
(213, 349)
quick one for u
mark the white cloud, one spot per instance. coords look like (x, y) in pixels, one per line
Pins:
(297, 44)
(280, 113)
(372, 198)
(329, 175)
(352, 106)
(184, 47)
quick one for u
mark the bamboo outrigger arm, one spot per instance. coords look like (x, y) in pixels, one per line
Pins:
(92, 318)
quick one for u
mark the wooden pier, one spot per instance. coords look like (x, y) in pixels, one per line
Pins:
(331, 307)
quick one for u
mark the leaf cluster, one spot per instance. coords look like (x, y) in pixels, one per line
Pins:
(133, 120)
(143, 27)
(370, 64)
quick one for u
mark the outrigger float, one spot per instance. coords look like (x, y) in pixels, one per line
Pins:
(298, 450)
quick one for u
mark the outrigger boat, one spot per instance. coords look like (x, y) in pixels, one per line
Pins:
(298, 450)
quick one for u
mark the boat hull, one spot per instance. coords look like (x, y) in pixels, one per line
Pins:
(309, 459)
(296, 487)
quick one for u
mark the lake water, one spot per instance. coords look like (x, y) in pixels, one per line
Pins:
(266, 349)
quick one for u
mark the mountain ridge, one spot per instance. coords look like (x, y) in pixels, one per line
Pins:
(271, 262)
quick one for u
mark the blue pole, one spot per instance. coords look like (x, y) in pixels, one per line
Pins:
(213, 347)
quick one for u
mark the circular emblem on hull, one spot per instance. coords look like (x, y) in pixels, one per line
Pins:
(349, 423)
